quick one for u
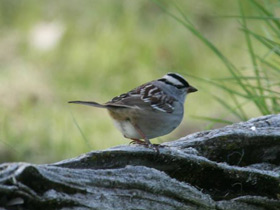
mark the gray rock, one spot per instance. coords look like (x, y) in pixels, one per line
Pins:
(235, 167)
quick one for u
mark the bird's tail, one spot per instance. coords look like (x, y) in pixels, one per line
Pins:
(88, 103)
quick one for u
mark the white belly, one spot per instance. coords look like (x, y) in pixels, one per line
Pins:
(126, 128)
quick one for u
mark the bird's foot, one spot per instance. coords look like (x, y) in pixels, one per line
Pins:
(137, 141)
(146, 143)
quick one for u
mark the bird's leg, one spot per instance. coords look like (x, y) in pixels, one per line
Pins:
(147, 141)
(140, 132)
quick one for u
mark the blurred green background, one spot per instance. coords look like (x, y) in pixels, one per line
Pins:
(56, 51)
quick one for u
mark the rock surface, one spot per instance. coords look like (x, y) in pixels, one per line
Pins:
(235, 167)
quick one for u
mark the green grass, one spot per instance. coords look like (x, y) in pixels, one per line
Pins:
(258, 85)
(109, 47)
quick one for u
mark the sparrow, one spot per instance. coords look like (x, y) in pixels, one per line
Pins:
(150, 110)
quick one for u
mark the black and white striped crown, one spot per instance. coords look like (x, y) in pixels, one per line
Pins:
(175, 79)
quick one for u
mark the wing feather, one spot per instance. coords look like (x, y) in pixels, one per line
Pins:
(148, 96)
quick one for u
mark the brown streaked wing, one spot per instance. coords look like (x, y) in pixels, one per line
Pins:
(146, 96)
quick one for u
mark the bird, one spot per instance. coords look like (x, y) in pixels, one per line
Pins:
(150, 110)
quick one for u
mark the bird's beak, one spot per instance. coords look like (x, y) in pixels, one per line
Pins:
(191, 89)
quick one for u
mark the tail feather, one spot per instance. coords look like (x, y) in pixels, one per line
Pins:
(88, 103)
(107, 105)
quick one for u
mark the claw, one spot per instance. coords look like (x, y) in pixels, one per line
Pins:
(137, 141)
